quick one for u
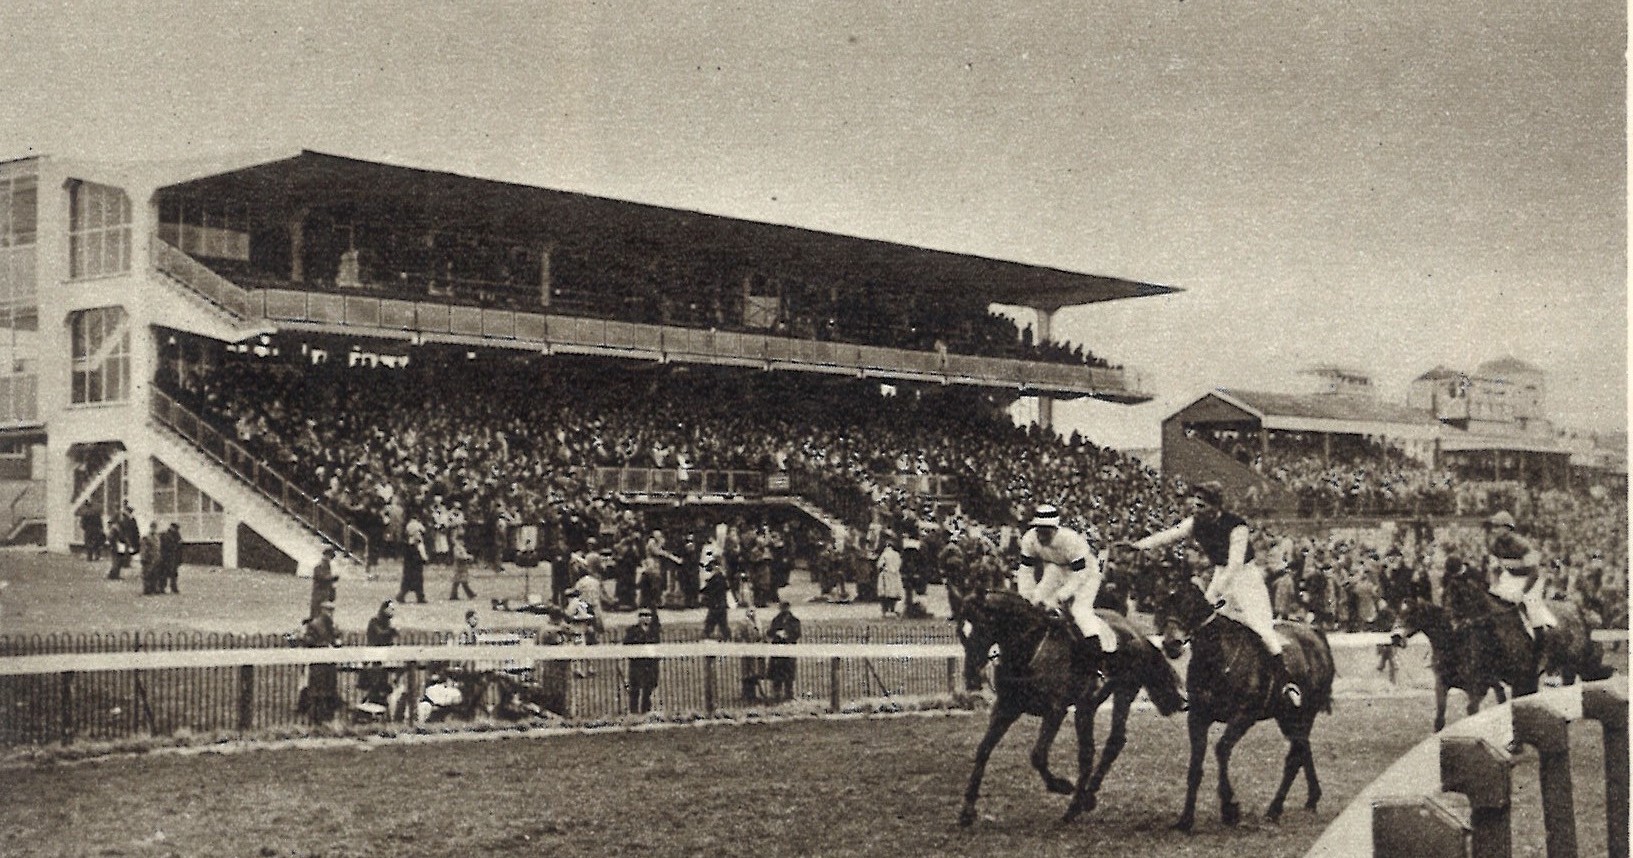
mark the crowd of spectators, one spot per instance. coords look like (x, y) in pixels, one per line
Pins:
(497, 457)
(615, 283)
(1346, 475)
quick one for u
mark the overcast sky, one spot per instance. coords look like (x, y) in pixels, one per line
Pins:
(1388, 185)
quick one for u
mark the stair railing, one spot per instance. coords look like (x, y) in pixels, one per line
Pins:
(239, 462)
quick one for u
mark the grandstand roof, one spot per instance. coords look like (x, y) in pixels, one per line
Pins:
(1439, 372)
(453, 201)
(1506, 365)
(1338, 413)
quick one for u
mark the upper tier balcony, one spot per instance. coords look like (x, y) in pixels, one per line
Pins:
(291, 307)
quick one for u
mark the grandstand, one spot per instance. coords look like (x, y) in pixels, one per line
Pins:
(235, 346)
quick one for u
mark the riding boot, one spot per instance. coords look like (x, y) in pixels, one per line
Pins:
(1284, 681)
(1538, 641)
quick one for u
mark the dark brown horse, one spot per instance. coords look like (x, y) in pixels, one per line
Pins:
(1004, 629)
(1459, 656)
(1506, 649)
(1231, 680)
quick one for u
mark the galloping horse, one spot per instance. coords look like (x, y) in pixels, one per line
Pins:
(1458, 655)
(1004, 622)
(1231, 680)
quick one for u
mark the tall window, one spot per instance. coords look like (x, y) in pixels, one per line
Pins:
(19, 306)
(101, 352)
(98, 230)
(176, 499)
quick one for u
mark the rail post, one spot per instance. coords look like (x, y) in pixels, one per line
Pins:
(833, 684)
(1483, 772)
(411, 691)
(1545, 728)
(68, 707)
(1418, 827)
(708, 684)
(952, 675)
(1609, 707)
(246, 697)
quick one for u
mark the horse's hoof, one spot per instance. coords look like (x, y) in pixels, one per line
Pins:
(966, 817)
(1273, 814)
(1183, 825)
(1230, 813)
(1061, 786)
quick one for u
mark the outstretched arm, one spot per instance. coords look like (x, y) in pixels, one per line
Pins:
(1170, 536)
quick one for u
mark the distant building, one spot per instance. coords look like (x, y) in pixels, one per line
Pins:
(1506, 396)
(1327, 378)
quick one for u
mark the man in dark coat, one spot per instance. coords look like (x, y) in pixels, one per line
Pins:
(323, 582)
(170, 557)
(149, 551)
(91, 523)
(785, 629)
(643, 672)
(714, 594)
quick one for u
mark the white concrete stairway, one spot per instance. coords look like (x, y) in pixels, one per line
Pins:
(292, 521)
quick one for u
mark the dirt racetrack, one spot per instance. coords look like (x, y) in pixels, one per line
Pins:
(883, 786)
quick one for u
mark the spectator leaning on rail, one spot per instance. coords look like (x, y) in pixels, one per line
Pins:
(1238, 586)
(643, 672)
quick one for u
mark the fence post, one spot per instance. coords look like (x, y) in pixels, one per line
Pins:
(1483, 772)
(952, 675)
(67, 708)
(1417, 827)
(708, 684)
(411, 691)
(833, 684)
(246, 697)
(1609, 707)
(1545, 728)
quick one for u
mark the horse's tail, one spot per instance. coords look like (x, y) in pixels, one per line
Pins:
(1157, 677)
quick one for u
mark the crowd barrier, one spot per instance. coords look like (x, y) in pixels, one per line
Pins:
(124, 690)
(1408, 811)
(68, 688)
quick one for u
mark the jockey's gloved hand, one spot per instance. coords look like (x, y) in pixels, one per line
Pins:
(1055, 612)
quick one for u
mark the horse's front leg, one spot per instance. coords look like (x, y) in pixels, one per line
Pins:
(1441, 691)
(1198, 724)
(1229, 811)
(1086, 798)
(1040, 751)
(1002, 718)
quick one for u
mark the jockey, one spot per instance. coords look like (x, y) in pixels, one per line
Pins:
(1238, 587)
(1517, 564)
(1068, 569)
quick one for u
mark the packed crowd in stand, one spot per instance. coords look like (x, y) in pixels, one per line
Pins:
(491, 447)
(602, 283)
(496, 460)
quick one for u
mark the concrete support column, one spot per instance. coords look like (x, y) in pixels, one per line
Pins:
(297, 245)
(1046, 404)
(544, 251)
(229, 540)
(59, 491)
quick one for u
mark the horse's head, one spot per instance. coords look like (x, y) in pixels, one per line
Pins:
(1182, 609)
(988, 622)
(1416, 615)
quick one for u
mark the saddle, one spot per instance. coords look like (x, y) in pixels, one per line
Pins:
(1065, 649)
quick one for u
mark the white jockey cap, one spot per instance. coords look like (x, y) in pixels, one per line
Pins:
(1046, 515)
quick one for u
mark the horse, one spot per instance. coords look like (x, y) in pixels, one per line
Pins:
(1459, 658)
(1037, 671)
(1231, 681)
(1567, 649)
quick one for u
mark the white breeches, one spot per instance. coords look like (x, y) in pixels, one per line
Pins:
(1511, 589)
(1059, 584)
(1247, 600)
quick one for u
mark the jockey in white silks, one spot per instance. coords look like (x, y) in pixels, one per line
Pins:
(1057, 564)
(1237, 586)
(1518, 580)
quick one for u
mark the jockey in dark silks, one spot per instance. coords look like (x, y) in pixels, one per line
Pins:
(1238, 585)
(1518, 580)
